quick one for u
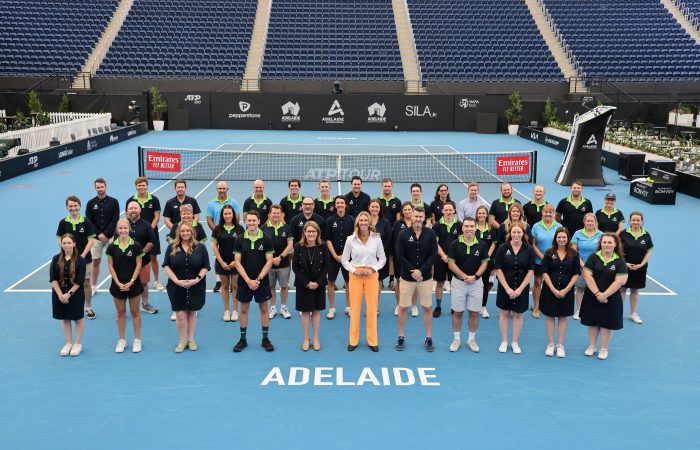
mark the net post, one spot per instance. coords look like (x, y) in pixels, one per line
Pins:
(534, 167)
(338, 166)
(141, 168)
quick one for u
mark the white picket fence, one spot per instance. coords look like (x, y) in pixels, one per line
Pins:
(38, 138)
(69, 116)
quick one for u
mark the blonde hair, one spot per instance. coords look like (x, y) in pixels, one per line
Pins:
(356, 228)
(175, 244)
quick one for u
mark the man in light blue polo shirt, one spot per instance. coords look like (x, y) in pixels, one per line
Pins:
(214, 206)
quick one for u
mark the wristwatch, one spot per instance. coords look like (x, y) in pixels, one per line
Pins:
(476, 277)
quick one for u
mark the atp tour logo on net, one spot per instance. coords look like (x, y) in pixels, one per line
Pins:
(377, 113)
(290, 112)
(244, 107)
(336, 115)
(367, 174)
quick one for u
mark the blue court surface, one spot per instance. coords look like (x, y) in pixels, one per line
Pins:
(644, 396)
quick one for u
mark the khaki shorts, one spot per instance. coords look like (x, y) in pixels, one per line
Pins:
(88, 271)
(425, 292)
(99, 247)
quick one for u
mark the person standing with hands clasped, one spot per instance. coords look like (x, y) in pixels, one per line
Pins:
(601, 311)
(186, 263)
(637, 244)
(310, 263)
(363, 256)
(68, 293)
(515, 265)
(416, 251)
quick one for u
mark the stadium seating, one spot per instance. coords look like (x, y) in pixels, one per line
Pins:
(626, 40)
(691, 10)
(182, 39)
(332, 39)
(41, 37)
(480, 40)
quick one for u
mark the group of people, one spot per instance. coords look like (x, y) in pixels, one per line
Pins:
(580, 262)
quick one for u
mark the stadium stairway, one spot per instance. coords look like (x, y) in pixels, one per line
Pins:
(407, 47)
(256, 51)
(553, 43)
(103, 44)
(681, 19)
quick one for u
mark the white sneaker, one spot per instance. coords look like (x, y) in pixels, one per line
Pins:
(121, 345)
(285, 312)
(454, 346)
(516, 348)
(635, 318)
(560, 351)
(503, 347)
(76, 349)
(273, 312)
(575, 316)
(173, 317)
(550, 350)
(136, 348)
(65, 351)
(590, 351)
(603, 353)
(473, 346)
(347, 311)
(234, 316)
(227, 316)
(158, 286)
(414, 311)
(484, 313)
(331, 314)
(396, 310)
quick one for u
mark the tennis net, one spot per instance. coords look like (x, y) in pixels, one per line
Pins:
(236, 165)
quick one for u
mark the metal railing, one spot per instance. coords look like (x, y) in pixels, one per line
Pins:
(601, 85)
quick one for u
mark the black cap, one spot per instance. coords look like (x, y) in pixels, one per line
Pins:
(610, 196)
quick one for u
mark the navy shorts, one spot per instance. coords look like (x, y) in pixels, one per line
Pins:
(261, 294)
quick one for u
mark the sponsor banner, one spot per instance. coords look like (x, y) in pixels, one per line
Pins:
(332, 112)
(543, 138)
(512, 165)
(467, 107)
(197, 105)
(22, 164)
(163, 162)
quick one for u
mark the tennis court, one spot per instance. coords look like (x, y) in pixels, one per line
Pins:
(644, 395)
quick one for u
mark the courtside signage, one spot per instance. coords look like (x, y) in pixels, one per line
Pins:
(163, 162)
(337, 376)
(512, 165)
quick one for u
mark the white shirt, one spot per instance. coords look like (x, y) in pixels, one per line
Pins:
(467, 208)
(357, 254)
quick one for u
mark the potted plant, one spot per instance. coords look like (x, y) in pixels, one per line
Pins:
(549, 115)
(514, 112)
(64, 106)
(36, 110)
(681, 115)
(20, 121)
(158, 108)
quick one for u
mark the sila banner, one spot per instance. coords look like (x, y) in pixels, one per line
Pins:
(583, 157)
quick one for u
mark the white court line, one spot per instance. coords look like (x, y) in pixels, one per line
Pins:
(330, 145)
(12, 288)
(670, 292)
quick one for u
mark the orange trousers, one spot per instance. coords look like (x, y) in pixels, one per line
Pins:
(368, 285)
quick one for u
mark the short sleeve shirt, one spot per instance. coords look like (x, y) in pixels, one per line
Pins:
(83, 230)
(262, 206)
(172, 208)
(337, 231)
(586, 244)
(324, 208)
(572, 213)
(487, 234)
(499, 209)
(225, 240)
(605, 271)
(533, 212)
(468, 257)
(560, 271)
(215, 206)
(357, 204)
(635, 246)
(390, 208)
(446, 234)
(199, 234)
(149, 207)
(609, 223)
(141, 232)
(253, 251)
(436, 209)
(543, 237)
(291, 208)
(124, 259)
(280, 237)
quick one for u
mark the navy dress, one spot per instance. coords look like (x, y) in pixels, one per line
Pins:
(594, 313)
(560, 273)
(514, 268)
(636, 248)
(186, 267)
(75, 308)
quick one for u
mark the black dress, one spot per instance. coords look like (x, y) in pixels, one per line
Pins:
(560, 273)
(124, 261)
(310, 264)
(187, 267)
(515, 269)
(636, 247)
(75, 308)
(225, 240)
(594, 313)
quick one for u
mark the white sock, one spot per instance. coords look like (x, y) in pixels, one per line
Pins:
(472, 335)
(457, 337)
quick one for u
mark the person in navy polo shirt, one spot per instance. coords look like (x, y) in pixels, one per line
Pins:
(325, 202)
(258, 201)
(338, 227)
(291, 204)
(283, 243)
(143, 234)
(253, 250)
(171, 212)
(447, 229)
(150, 212)
(498, 212)
(442, 196)
(533, 208)
(83, 232)
(570, 210)
(610, 219)
(296, 223)
(103, 211)
(391, 211)
(416, 200)
(356, 199)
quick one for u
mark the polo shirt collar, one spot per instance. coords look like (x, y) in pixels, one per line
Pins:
(583, 232)
(570, 200)
(636, 236)
(81, 219)
(149, 197)
(299, 198)
(228, 200)
(246, 235)
(448, 225)
(325, 202)
(264, 198)
(614, 211)
(128, 244)
(387, 200)
(554, 222)
(468, 245)
(276, 228)
(599, 254)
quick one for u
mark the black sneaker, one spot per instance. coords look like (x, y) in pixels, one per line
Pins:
(400, 344)
(437, 311)
(90, 314)
(240, 346)
(429, 345)
(217, 286)
(267, 345)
